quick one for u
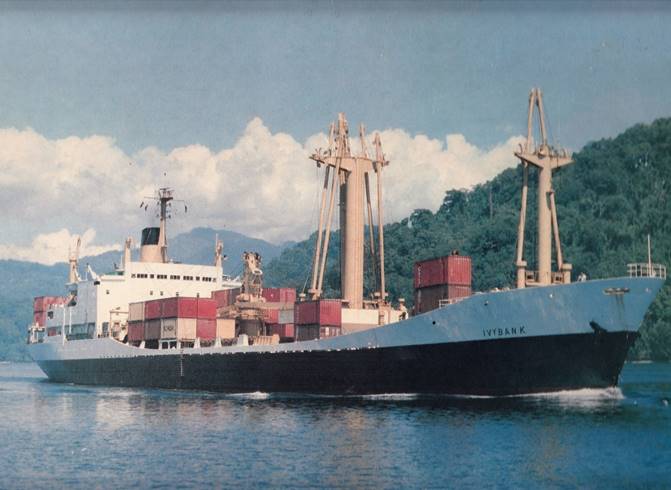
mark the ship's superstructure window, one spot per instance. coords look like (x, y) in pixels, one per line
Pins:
(151, 293)
(142, 276)
(188, 278)
(107, 291)
(151, 276)
(132, 276)
(197, 278)
(161, 276)
(174, 277)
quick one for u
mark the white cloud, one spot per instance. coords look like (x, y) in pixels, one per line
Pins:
(263, 186)
(50, 248)
(421, 169)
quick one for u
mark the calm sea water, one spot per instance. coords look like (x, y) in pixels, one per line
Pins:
(56, 436)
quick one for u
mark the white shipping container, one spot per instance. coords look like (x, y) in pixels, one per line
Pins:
(225, 328)
(178, 328)
(136, 312)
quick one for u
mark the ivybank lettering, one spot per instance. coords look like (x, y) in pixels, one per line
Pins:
(504, 332)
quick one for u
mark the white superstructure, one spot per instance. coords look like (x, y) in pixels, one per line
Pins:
(97, 305)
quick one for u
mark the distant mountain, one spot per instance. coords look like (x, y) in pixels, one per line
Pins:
(197, 247)
(21, 281)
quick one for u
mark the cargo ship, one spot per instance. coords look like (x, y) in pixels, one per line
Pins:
(157, 323)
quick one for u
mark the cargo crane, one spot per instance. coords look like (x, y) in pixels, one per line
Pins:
(349, 175)
(73, 259)
(546, 159)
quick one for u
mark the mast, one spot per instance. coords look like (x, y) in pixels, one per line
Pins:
(73, 259)
(154, 244)
(379, 164)
(165, 196)
(350, 174)
(546, 159)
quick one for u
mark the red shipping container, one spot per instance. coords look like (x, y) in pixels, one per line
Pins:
(152, 309)
(458, 291)
(285, 331)
(206, 328)
(40, 318)
(305, 313)
(135, 331)
(287, 295)
(152, 329)
(330, 312)
(207, 308)
(307, 332)
(272, 295)
(271, 315)
(221, 297)
(279, 295)
(457, 270)
(429, 273)
(322, 312)
(427, 299)
(225, 297)
(179, 307)
(42, 303)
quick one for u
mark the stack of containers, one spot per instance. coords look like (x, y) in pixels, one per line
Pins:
(178, 318)
(225, 297)
(446, 277)
(152, 319)
(206, 319)
(136, 322)
(278, 312)
(318, 319)
(181, 318)
(279, 295)
(41, 305)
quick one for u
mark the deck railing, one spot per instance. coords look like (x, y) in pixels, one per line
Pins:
(446, 302)
(645, 269)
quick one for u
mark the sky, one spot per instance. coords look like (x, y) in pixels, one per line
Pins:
(102, 102)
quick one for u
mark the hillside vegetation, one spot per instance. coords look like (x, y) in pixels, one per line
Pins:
(615, 193)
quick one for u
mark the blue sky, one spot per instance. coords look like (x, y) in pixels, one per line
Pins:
(86, 88)
(175, 74)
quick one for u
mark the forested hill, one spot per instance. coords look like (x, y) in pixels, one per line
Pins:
(615, 193)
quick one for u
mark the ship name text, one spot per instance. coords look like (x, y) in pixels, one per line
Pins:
(504, 332)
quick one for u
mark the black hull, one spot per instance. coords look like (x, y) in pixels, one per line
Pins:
(492, 367)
